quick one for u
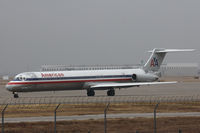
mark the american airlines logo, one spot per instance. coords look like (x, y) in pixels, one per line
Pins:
(51, 75)
(154, 62)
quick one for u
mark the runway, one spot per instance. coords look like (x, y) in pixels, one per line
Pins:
(99, 116)
(181, 91)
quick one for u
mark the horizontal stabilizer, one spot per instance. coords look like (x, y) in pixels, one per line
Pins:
(121, 85)
(172, 50)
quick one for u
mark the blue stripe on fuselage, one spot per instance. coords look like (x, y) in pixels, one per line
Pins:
(80, 77)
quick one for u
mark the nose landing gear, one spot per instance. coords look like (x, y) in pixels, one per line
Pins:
(15, 95)
(90, 92)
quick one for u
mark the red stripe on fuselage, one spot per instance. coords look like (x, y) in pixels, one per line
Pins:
(53, 82)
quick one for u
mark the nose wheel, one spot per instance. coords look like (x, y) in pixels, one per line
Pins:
(90, 92)
(15, 95)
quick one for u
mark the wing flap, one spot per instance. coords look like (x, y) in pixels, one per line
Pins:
(121, 85)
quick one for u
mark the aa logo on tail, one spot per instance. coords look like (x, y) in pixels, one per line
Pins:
(154, 62)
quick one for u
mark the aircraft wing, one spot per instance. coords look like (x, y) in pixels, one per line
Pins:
(123, 85)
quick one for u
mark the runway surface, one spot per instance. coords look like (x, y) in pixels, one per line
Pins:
(182, 91)
(100, 116)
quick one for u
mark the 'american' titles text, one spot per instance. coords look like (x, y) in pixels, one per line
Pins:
(52, 75)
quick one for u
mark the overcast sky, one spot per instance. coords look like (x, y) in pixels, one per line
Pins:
(77, 32)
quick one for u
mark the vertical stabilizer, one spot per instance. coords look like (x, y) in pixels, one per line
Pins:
(158, 54)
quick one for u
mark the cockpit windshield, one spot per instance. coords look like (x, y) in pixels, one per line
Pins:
(21, 78)
(24, 76)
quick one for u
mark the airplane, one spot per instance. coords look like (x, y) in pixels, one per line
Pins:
(92, 80)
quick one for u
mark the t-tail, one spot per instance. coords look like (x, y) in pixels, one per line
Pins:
(158, 54)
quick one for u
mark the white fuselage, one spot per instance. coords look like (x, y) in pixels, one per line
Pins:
(94, 79)
(75, 80)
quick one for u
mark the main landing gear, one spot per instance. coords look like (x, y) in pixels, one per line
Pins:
(15, 95)
(111, 92)
(90, 92)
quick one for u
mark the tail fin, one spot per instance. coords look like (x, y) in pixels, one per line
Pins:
(157, 57)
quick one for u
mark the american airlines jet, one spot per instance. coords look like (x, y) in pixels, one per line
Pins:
(94, 79)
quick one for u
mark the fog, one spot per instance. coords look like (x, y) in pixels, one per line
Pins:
(89, 32)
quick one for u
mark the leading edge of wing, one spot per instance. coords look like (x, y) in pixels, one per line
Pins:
(121, 85)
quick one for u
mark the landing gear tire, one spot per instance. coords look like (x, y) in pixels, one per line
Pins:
(15, 95)
(90, 92)
(111, 92)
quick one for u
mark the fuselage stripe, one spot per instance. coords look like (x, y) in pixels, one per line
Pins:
(76, 77)
(66, 81)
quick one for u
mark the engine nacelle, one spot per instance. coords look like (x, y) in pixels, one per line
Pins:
(134, 77)
(147, 77)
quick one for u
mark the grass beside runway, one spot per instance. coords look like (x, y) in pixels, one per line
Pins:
(30, 110)
(142, 125)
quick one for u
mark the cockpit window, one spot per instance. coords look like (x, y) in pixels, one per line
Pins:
(24, 76)
(21, 78)
(16, 78)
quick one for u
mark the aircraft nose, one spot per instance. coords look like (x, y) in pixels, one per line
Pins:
(9, 87)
